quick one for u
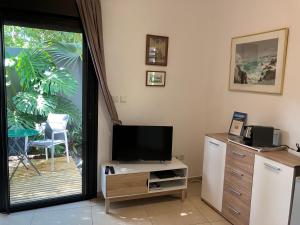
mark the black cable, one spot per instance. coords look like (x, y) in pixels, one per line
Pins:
(298, 147)
(297, 150)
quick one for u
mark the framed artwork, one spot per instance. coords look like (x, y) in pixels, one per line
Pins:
(156, 78)
(258, 62)
(157, 50)
(238, 122)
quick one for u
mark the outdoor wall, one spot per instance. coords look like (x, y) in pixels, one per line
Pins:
(76, 71)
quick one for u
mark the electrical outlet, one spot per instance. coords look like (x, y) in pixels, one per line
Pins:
(123, 99)
(180, 157)
(115, 99)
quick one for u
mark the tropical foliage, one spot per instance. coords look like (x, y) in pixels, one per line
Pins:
(38, 77)
(20, 37)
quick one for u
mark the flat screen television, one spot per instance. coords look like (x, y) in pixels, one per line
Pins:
(153, 143)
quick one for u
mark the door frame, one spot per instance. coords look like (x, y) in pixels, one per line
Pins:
(89, 109)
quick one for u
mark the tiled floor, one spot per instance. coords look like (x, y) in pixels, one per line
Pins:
(152, 211)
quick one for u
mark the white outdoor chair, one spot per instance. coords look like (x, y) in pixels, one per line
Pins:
(55, 133)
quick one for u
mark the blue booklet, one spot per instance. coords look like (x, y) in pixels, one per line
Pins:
(238, 122)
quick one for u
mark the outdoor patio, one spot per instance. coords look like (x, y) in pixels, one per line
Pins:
(27, 185)
(43, 78)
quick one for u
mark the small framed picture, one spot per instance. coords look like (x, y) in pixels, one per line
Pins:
(156, 50)
(156, 78)
(237, 124)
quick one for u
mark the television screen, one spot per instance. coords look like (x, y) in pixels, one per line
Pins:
(142, 143)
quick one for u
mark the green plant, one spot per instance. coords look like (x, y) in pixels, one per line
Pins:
(26, 37)
(66, 53)
(39, 80)
(18, 119)
(43, 86)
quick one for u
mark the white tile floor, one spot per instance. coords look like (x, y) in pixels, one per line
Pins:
(152, 211)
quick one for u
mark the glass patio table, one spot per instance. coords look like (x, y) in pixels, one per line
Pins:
(15, 135)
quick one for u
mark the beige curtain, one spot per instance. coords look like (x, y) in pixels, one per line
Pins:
(90, 14)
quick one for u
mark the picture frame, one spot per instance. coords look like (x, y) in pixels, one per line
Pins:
(258, 62)
(157, 50)
(238, 122)
(155, 78)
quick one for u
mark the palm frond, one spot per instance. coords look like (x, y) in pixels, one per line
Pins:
(67, 54)
(58, 81)
(31, 64)
(34, 104)
(19, 120)
(66, 106)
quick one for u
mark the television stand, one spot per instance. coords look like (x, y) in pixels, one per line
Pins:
(138, 180)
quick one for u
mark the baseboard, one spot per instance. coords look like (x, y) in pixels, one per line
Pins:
(193, 179)
(100, 195)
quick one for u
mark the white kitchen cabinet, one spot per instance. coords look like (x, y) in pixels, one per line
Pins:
(295, 217)
(213, 172)
(271, 192)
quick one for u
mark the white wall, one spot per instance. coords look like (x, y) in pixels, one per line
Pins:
(104, 135)
(196, 98)
(235, 18)
(180, 103)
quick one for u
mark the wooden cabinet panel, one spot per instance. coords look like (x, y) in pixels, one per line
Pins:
(271, 192)
(238, 192)
(126, 184)
(238, 184)
(238, 177)
(239, 158)
(235, 210)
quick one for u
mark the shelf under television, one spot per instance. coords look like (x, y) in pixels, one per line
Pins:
(136, 180)
(156, 179)
(169, 186)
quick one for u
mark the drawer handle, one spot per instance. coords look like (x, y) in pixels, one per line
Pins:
(233, 210)
(272, 167)
(234, 191)
(214, 143)
(237, 173)
(239, 154)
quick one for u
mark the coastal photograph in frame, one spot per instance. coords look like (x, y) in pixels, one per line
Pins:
(156, 78)
(157, 50)
(258, 62)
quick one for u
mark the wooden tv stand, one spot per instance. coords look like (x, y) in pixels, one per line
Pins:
(135, 180)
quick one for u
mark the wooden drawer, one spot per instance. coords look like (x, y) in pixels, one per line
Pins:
(126, 184)
(239, 158)
(239, 193)
(238, 178)
(235, 210)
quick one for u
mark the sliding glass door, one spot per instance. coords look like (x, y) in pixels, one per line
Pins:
(47, 119)
(43, 71)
